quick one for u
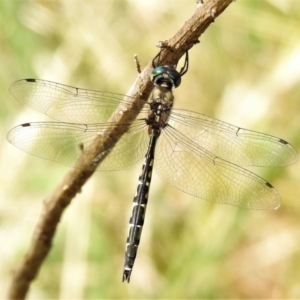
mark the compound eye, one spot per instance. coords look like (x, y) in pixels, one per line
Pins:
(176, 77)
(158, 71)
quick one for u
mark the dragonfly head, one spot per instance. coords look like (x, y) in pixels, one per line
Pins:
(166, 76)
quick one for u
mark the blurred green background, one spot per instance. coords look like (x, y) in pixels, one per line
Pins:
(245, 71)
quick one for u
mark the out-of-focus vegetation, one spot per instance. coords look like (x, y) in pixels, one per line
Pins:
(245, 71)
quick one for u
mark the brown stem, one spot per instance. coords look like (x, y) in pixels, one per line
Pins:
(55, 205)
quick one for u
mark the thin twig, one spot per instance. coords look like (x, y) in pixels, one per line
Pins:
(137, 63)
(55, 205)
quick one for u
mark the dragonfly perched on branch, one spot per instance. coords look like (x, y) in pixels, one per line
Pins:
(197, 154)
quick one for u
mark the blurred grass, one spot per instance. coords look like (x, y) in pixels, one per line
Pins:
(245, 71)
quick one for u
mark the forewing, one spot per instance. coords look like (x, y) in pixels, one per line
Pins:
(194, 170)
(66, 103)
(236, 145)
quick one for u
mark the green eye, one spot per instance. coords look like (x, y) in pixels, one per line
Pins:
(167, 74)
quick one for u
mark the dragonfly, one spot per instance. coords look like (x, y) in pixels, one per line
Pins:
(197, 154)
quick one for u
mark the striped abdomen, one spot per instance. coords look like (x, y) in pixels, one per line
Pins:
(140, 200)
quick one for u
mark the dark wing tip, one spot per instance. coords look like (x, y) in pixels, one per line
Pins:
(25, 125)
(14, 85)
(30, 80)
(293, 154)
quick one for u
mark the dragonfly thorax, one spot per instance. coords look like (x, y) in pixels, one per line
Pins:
(161, 95)
(161, 102)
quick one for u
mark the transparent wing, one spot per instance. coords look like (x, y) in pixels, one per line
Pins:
(236, 145)
(66, 103)
(194, 170)
(64, 142)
